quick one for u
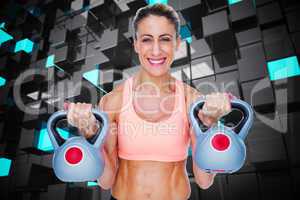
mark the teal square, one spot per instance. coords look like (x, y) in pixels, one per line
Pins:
(189, 40)
(231, 2)
(151, 2)
(24, 45)
(185, 33)
(283, 68)
(4, 37)
(2, 81)
(92, 76)
(92, 183)
(44, 142)
(5, 165)
(2, 25)
(50, 61)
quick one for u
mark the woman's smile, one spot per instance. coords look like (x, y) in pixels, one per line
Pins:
(157, 62)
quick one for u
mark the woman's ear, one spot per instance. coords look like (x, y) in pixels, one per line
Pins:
(135, 45)
(178, 42)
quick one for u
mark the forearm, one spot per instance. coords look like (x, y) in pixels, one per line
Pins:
(203, 179)
(108, 177)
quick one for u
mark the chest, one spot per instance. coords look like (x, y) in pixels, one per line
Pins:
(154, 107)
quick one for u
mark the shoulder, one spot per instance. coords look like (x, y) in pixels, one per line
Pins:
(111, 102)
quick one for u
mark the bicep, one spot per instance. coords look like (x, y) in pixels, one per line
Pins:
(111, 139)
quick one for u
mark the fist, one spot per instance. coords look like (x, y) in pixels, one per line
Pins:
(216, 105)
(80, 115)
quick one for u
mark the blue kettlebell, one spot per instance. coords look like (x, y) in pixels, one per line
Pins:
(221, 148)
(76, 159)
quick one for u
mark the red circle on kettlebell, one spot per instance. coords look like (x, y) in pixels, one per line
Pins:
(220, 142)
(73, 155)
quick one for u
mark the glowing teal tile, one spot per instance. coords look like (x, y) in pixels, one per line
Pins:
(151, 2)
(4, 166)
(2, 81)
(283, 68)
(4, 37)
(189, 40)
(2, 25)
(230, 2)
(50, 61)
(44, 142)
(185, 33)
(24, 45)
(92, 184)
(92, 76)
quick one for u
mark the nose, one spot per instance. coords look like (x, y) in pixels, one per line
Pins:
(156, 48)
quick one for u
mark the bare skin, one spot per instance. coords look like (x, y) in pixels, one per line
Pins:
(130, 179)
(151, 179)
(148, 179)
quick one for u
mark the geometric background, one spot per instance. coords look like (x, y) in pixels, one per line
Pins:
(79, 50)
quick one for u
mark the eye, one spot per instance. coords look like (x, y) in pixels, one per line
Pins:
(166, 39)
(146, 40)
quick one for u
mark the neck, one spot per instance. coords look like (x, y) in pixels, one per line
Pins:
(161, 82)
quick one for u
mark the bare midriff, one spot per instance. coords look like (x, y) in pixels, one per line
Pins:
(151, 180)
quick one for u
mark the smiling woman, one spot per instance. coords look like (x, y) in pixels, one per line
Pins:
(157, 38)
(146, 148)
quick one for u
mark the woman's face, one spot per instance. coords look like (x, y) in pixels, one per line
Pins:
(156, 44)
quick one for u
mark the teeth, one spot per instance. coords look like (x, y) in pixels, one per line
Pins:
(156, 61)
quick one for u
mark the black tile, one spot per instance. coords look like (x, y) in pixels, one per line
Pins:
(264, 151)
(214, 5)
(248, 36)
(262, 2)
(58, 37)
(195, 191)
(275, 185)
(239, 186)
(293, 21)
(292, 138)
(225, 61)
(215, 23)
(277, 43)
(269, 13)
(242, 10)
(296, 41)
(221, 42)
(259, 96)
(252, 64)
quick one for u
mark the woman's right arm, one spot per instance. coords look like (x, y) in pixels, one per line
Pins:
(109, 152)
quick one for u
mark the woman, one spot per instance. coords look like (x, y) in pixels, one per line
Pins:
(146, 149)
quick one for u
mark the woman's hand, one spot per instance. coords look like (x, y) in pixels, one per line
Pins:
(216, 105)
(80, 115)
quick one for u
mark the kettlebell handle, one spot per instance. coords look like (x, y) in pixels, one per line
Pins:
(57, 140)
(242, 128)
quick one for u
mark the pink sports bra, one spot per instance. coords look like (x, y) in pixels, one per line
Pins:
(167, 140)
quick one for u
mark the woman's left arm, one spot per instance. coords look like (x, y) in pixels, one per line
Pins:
(216, 105)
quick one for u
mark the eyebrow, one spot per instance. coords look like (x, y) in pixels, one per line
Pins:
(165, 34)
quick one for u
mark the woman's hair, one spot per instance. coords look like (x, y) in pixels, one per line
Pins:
(157, 9)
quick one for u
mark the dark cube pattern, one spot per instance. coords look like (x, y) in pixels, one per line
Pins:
(229, 50)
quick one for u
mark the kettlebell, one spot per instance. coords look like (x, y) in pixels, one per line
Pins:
(221, 148)
(76, 159)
